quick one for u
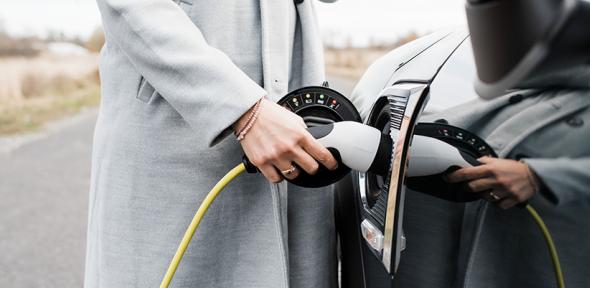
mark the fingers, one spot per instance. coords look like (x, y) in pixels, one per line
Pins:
(496, 181)
(468, 174)
(481, 185)
(486, 159)
(287, 169)
(302, 123)
(319, 152)
(305, 161)
(270, 173)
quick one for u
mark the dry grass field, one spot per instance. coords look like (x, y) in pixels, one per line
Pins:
(43, 88)
(351, 62)
(34, 90)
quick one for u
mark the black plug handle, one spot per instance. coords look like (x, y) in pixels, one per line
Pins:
(250, 168)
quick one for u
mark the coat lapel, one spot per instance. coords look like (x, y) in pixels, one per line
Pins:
(275, 63)
(313, 72)
(275, 46)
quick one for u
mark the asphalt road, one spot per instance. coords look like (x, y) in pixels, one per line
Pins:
(44, 181)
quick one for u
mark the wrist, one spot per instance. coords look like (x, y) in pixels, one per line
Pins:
(533, 178)
(242, 122)
(247, 120)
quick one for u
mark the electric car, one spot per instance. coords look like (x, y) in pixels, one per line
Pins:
(388, 233)
(441, 67)
(407, 85)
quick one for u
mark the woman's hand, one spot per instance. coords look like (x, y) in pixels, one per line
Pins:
(502, 181)
(278, 139)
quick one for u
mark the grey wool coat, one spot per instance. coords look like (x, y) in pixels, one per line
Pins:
(481, 245)
(172, 85)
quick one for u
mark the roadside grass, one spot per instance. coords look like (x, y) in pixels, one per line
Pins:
(37, 90)
(31, 114)
(351, 63)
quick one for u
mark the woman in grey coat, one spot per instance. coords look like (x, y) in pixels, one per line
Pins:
(177, 78)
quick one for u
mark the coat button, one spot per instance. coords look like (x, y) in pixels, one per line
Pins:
(575, 121)
(515, 98)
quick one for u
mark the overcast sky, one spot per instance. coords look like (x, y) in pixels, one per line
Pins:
(388, 19)
(359, 20)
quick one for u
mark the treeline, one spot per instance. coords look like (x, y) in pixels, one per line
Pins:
(22, 46)
(373, 43)
(31, 46)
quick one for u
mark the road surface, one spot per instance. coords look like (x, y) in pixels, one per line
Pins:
(44, 180)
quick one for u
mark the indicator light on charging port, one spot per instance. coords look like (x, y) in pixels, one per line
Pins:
(333, 104)
(372, 235)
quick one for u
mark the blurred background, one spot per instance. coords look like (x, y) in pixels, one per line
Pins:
(49, 96)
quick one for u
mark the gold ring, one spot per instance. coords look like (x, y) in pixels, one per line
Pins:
(289, 171)
(493, 195)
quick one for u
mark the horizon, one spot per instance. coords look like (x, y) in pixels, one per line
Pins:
(345, 21)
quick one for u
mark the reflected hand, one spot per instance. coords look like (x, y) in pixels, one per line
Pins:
(502, 181)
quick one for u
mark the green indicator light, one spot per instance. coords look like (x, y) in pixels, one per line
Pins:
(321, 96)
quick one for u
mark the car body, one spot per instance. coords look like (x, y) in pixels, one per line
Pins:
(442, 65)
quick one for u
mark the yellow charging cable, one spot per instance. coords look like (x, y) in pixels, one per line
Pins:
(554, 257)
(188, 235)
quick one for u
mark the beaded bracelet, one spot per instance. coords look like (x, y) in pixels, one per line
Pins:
(254, 108)
(250, 122)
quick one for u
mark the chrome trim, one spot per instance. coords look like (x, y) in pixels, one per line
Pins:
(413, 93)
(403, 241)
(363, 189)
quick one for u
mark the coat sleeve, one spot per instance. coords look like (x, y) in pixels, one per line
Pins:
(199, 81)
(564, 179)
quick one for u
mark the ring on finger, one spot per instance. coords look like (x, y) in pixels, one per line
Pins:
(494, 196)
(289, 171)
